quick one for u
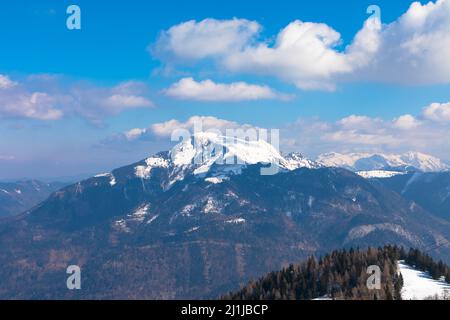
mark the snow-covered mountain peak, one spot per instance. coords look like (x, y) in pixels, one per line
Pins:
(424, 162)
(207, 148)
(211, 155)
(295, 160)
(334, 159)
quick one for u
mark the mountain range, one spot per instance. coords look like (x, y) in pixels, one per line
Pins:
(410, 161)
(201, 220)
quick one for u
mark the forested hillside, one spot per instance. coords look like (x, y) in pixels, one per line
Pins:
(341, 274)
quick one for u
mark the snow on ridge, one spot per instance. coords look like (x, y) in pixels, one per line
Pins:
(112, 180)
(419, 285)
(100, 175)
(378, 174)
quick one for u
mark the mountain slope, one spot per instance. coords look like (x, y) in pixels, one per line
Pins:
(171, 227)
(429, 190)
(17, 197)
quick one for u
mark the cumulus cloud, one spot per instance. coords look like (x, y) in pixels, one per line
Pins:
(209, 91)
(17, 102)
(412, 50)
(191, 40)
(415, 48)
(43, 98)
(365, 134)
(304, 54)
(406, 122)
(164, 130)
(438, 112)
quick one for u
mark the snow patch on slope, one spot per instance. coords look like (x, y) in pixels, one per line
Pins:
(217, 180)
(364, 230)
(418, 285)
(236, 221)
(140, 213)
(144, 172)
(112, 179)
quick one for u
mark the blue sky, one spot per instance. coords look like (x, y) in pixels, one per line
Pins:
(113, 75)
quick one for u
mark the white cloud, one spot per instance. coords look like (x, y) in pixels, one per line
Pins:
(207, 90)
(438, 112)
(361, 138)
(44, 98)
(120, 101)
(412, 50)
(18, 102)
(406, 122)
(358, 122)
(6, 82)
(135, 133)
(415, 48)
(304, 54)
(193, 40)
(366, 134)
(194, 123)
(94, 102)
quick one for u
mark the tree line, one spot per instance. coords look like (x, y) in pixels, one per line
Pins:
(341, 274)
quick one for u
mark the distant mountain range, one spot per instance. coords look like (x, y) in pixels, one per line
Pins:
(411, 161)
(200, 220)
(17, 197)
